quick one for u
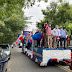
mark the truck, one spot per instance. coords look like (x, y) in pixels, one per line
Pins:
(43, 56)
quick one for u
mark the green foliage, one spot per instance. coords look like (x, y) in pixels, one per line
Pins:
(50, 13)
(60, 0)
(12, 20)
(58, 15)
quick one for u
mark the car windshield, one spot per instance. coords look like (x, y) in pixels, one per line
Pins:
(4, 46)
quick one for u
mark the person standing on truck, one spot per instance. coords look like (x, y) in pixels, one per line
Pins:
(49, 36)
(44, 33)
(38, 41)
(63, 36)
(34, 42)
(42, 40)
(56, 34)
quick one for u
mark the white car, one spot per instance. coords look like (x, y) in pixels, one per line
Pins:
(3, 61)
(6, 49)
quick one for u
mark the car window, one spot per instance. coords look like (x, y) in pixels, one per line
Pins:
(4, 46)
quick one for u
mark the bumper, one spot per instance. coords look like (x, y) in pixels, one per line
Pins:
(3, 65)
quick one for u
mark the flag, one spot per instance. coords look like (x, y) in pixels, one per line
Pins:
(66, 36)
(45, 24)
(17, 42)
(30, 41)
(20, 38)
(30, 33)
(58, 38)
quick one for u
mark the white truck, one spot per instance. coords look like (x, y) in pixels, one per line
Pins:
(45, 55)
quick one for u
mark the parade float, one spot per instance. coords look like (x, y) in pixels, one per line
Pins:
(43, 56)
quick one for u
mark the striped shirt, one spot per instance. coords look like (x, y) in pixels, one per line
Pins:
(48, 31)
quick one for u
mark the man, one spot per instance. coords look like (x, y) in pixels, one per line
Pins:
(49, 36)
(63, 36)
(56, 33)
(45, 39)
(38, 41)
(34, 42)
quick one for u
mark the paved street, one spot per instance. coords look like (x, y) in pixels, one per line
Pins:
(19, 62)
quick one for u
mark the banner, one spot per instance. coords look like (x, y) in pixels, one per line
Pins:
(26, 33)
(37, 53)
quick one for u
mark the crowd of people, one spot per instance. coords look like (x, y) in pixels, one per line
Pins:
(48, 38)
(55, 36)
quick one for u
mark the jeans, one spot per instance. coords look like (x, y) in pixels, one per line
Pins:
(38, 43)
(62, 39)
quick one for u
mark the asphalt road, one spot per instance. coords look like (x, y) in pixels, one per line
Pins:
(19, 62)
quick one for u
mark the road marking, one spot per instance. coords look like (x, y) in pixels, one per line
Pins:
(64, 68)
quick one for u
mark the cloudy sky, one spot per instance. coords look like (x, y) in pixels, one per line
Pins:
(36, 13)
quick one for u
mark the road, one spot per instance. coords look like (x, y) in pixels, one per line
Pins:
(19, 62)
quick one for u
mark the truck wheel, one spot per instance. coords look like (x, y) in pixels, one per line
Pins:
(60, 62)
(70, 67)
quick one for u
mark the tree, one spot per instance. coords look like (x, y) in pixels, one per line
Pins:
(12, 19)
(64, 16)
(58, 15)
(50, 13)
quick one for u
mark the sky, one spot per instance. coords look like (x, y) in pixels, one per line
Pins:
(36, 13)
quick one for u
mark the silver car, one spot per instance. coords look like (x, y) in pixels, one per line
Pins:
(3, 61)
(6, 49)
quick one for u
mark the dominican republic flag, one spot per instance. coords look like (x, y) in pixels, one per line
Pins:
(30, 41)
(66, 36)
(45, 24)
(17, 42)
(30, 33)
(20, 38)
(58, 38)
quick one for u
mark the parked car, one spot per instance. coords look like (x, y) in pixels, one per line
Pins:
(3, 61)
(6, 49)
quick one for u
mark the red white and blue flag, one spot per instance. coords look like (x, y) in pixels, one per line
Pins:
(30, 33)
(58, 38)
(45, 24)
